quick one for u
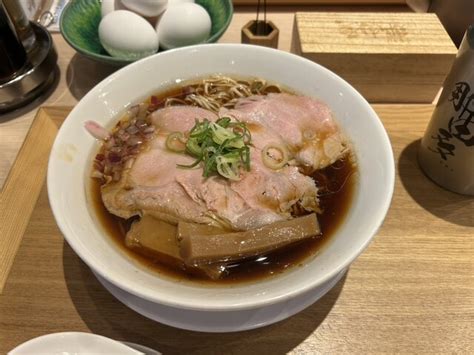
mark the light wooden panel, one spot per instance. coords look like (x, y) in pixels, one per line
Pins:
(388, 57)
(23, 185)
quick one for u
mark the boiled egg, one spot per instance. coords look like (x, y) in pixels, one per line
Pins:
(147, 8)
(107, 6)
(126, 35)
(176, 2)
(182, 25)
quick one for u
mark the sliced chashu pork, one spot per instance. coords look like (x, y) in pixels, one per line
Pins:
(303, 124)
(150, 184)
(154, 185)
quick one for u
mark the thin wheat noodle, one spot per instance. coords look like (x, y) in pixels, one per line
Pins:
(218, 91)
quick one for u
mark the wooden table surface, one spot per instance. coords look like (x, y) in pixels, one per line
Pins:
(410, 292)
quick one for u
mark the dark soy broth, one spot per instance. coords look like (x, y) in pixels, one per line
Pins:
(336, 183)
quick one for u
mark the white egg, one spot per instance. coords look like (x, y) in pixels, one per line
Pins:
(148, 8)
(107, 6)
(176, 2)
(182, 25)
(126, 35)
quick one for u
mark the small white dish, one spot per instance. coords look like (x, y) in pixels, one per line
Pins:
(144, 349)
(77, 343)
(220, 321)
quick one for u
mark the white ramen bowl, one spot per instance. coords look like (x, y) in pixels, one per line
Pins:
(72, 153)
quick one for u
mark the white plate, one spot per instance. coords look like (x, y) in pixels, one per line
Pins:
(220, 321)
(78, 343)
(144, 349)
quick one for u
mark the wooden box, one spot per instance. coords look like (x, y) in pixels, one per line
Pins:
(388, 57)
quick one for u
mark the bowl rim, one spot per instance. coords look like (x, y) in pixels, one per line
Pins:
(118, 61)
(389, 184)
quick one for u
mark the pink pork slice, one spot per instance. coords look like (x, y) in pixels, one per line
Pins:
(303, 124)
(154, 185)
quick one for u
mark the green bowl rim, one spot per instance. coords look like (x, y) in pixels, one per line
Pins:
(113, 60)
(226, 24)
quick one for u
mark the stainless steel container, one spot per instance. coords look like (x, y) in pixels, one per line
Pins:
(27, 57)
(12, 54)
(22, 25)
(446, 153)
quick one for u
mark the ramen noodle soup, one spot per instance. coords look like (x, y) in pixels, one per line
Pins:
(223, 180)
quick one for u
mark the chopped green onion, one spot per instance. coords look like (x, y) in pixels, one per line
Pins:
(175, 142)
(193, 148)
(223, 122)
(220, 147)
(273, 161)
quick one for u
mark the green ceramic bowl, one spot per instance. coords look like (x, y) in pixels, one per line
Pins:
(80, 20)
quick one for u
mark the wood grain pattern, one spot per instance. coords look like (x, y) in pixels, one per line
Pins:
(410, 292)
(373, 33)
(21, 190)
(388, 57)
